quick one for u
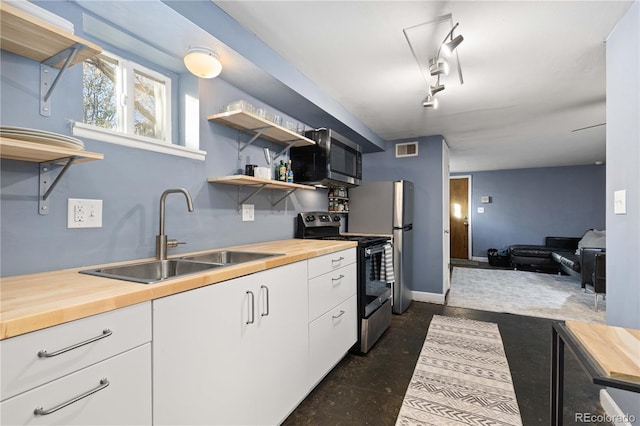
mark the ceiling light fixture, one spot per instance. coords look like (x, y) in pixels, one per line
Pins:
(202, 62)
(430, 102)
(437, 88)
(438, 66)
(450, 46)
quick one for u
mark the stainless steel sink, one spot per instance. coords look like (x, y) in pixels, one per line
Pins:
(152, 271)
(227, 257)
(159, 270)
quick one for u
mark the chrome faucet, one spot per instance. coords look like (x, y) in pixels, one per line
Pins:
(162, 243)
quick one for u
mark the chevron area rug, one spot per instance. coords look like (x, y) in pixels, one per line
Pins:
(461, 378)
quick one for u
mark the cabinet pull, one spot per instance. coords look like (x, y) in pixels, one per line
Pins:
(340, 259)
(44, 354)
(253, 314)
(339, 315)
(42, 412)
(338, 279)
(267, 293)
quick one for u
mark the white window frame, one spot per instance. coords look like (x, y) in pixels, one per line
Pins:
(125, 102)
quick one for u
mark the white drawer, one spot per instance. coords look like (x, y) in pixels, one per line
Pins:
(125, 400)
(330, 262)
(331, 289)
(330, 337)
(23, 369)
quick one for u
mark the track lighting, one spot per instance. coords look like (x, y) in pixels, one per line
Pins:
(450, 46)
(438, 66)
(202, 62)
(430, 102)
(436, 88)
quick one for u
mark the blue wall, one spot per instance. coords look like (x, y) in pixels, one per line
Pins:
(623, 156)
(425, 171)
(130, 181)
(529, 204)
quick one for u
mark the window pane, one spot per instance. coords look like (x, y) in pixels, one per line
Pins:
(99, 92)
(149, 111)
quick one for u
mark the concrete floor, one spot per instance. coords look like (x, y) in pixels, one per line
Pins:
(368, 390)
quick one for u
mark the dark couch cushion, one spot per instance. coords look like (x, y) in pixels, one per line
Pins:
(522, 250)
(568, 259)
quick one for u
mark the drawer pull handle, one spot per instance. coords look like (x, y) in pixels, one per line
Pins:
(340, 259)
(338, 279)
(44, 354)
(42, 412)
(339, 315)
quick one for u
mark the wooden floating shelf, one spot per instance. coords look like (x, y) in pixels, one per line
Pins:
(15, 149)
(33, 38)
(243, 180)
(247, 122)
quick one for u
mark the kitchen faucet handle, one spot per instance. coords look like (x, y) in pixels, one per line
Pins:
(174, 243)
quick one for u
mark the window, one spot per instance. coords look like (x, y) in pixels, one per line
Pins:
(126, 97)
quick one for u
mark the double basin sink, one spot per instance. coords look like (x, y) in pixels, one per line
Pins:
(159, 270)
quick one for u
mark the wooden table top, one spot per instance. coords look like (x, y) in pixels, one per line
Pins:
(36, 301)
(615, 349)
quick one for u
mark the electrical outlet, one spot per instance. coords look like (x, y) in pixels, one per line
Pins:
(247, 213)
(84, 213)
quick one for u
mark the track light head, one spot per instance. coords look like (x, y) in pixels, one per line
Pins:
(430, 102)
(450, 46)
(436, 88)
(438, 66)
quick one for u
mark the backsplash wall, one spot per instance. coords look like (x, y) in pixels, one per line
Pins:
(130, 183)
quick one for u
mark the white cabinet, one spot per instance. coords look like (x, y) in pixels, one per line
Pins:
(105, 359)
(234, 352)
(333, 316)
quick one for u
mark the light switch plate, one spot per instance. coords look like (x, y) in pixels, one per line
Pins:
(247, 213)
(84, 213)
(480, 210)
(620, 202)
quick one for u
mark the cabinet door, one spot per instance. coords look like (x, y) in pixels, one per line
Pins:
(280, 350)
(125, 400)
(201, 355)
(233, 352)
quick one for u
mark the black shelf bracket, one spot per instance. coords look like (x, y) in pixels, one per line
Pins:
(46, 68)
(46, 187)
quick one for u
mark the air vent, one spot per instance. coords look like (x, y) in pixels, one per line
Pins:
(408, 149)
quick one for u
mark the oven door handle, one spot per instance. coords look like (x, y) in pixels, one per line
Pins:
(374, 250)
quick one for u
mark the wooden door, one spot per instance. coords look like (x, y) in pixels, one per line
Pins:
(458, 217)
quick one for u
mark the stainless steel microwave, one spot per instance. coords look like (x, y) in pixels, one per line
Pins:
(333, 161)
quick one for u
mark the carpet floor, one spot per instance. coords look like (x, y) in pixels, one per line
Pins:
(462, 377)
(558, 297)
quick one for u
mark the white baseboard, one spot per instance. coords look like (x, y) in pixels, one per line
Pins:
(613, 411)
(480, 259)
(423, 296)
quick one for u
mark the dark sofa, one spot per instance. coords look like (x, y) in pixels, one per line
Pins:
(538, 257)
(558, 255)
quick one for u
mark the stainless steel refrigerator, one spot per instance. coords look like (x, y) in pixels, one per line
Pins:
(386, 208)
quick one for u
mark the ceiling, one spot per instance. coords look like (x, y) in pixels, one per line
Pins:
(534, 71)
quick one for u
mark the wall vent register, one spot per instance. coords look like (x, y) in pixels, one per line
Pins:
(408, 149)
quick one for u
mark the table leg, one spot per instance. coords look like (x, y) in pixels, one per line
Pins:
(557, 378)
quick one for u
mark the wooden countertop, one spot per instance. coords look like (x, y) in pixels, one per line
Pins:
(36, 301)
(615, 349)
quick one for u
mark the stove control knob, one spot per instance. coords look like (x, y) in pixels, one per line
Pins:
(336, 218)
(310, 218)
